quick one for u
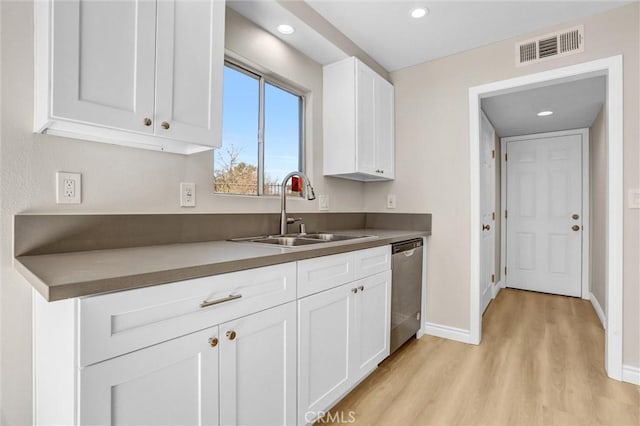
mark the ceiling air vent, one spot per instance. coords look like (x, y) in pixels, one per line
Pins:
(561, 43)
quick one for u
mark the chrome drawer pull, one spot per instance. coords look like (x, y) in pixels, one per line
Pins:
(218, 301)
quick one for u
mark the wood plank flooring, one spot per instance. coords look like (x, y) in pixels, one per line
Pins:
(540, 363)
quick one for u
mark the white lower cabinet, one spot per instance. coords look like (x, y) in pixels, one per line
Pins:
(173, 383)
(258, 368)
(343, 333)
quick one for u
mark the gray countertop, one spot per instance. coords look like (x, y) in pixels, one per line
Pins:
(85, 273)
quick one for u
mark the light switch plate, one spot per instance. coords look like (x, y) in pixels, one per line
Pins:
(187, 194)
(323, 202)
(634, 198)
(68, 188)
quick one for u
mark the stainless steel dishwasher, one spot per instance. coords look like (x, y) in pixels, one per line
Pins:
(406, 290)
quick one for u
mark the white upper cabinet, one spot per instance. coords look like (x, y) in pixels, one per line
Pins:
(134, 72)
(358, 118)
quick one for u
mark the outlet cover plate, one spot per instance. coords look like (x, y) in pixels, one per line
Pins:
(634, 198)
(68, 188)
(187, 194)
(391, 201)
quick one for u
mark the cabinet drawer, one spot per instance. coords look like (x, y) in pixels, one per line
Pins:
(114, 324)
(322, 273)
(372, 261)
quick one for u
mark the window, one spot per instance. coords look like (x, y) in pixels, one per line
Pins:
(261, 134)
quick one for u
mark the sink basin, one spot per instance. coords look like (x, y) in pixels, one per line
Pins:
(285, 241)
(296, 240)
(322, 236)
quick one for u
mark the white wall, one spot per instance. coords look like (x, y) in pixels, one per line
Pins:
(598, 199)
(150, 179)
(432, 155)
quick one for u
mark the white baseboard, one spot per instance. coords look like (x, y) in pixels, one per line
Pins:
(446, 332)
(631, 374)
(496, 289)
(599, 311)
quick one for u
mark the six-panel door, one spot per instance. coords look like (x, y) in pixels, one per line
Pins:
(104, 67)
(258, 368)
(172, 383)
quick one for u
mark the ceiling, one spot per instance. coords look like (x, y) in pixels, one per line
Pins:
(574, 104)
(387, 33)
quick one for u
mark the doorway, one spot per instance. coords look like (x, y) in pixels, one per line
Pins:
(611, 69)
(545, 186)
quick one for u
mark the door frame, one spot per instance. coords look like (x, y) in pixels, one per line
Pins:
(586, 216)
(612, 69)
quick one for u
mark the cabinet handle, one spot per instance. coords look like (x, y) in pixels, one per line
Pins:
(165, 125)
(231, 335)
(147, 121)
(575, 228)
(354, 290)
(213, 342)
(218, 301)
(361, 288)
(486, 227)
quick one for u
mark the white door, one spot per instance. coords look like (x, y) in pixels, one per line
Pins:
(365, 119)
(104, 65)
(172, 383)
(324, 333)
(372, 323)
(544, 221)
(258, 368)
(384, 128)
(487, 211)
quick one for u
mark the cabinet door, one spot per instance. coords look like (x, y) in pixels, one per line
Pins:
(103, 72)
(190, 51)
(372, 323)
(384, 129)
(365, 118)
(173, 383)
(258, 368)
(324, 333)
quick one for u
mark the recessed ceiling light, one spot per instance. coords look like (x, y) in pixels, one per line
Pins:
(285, 29)
(419, 12)
(544, 113)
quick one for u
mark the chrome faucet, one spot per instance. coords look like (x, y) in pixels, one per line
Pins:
(307, 192)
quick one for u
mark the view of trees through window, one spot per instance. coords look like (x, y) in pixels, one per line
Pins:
(246, 163)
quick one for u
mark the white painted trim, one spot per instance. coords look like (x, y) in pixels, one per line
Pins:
(423, 315)
(631, 374)
(446, 332)
(495, 290)
(586, 233)
(599, 311)
(612, 69)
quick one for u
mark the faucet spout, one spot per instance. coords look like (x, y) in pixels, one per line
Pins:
(307, 192)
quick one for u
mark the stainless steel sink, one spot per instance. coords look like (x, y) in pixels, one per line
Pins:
(296, 240)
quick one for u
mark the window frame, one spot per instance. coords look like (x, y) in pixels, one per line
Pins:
(263, 79)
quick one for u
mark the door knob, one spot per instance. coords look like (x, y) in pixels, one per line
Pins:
(231, 335)
(165, 125)
(213, 342)
(575, 216)
(486, 227)
(575, 228)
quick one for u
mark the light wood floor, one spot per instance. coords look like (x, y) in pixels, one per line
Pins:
(540, 362)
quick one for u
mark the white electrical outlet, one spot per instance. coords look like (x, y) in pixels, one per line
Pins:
(68, 188)
(323, 202)
(187, 194)
(391, 201)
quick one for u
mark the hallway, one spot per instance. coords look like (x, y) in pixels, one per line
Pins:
(540, 362)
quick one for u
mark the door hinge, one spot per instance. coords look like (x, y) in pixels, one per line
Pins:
(493, 215)
(493, 278)
(493, 153)
(505, 270)
(505, 157)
